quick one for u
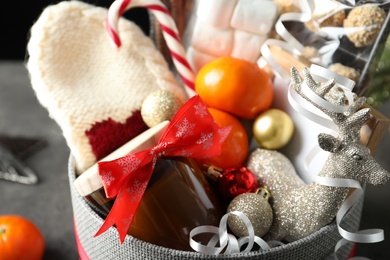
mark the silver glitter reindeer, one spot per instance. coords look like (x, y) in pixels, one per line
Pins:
(299, 208)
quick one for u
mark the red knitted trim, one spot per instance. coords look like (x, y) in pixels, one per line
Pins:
(105, 137)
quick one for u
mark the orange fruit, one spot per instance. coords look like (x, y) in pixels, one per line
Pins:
(236, 86)
(235, 148)
(20, 239)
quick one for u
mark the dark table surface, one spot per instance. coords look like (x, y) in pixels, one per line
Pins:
(48, 203)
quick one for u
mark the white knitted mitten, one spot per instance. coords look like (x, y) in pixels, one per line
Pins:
(93, 90)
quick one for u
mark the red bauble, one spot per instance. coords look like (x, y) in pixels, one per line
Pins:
(235, 181)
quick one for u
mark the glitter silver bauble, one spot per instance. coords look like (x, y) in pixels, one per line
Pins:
(159, 106)
(256, 208)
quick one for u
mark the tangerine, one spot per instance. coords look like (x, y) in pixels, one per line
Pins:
(20, 239)
(236, 86)
(234, 150)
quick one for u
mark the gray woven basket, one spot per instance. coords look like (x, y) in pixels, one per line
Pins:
(319, 245)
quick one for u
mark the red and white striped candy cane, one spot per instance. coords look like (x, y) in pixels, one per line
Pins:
(168, 27)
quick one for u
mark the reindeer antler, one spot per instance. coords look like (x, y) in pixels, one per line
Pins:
(322, 90)
(350, 121)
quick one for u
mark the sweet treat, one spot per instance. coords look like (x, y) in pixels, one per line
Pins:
(216, 13)
(363, 24)
(252, 43)
(286, 6)
(212, 40)
(345, 71)
(254, 16)
(310, 52)
(198, 59)
(325, 20)
(236, 28)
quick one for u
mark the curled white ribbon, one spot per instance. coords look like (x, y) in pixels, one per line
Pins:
(228, 243)
(361, 236)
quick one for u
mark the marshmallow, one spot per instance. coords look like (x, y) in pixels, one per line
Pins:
(217, 13)
(247, 46)
(198, 59)
(211, 40)
(255, 16)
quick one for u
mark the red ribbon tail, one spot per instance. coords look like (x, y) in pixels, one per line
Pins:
(126, 203)
(111, 221)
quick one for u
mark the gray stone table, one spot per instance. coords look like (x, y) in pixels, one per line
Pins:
(48, 203)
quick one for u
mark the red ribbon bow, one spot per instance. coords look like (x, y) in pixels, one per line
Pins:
(191, 133)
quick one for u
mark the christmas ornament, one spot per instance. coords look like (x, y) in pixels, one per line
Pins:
(234, 181)
(256, 207)
(159, 106)
(273, 129)
(299, 208)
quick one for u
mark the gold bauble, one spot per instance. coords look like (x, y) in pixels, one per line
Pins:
(159, 106)
(273, 129)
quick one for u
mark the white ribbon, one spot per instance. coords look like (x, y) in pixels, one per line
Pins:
(361, 236)
(228, 243)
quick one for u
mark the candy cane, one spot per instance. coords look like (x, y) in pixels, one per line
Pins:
(169, 30)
